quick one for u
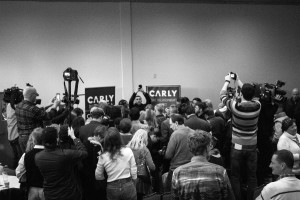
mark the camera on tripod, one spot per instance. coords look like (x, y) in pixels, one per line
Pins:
(70, 74)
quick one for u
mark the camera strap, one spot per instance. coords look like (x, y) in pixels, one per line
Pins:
(76, 88)
(66, 91)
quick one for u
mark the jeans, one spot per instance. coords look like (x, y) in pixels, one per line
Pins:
(168, 184)
(23, 142)
(243, 162)
(122, 189)
(17, 152)
(36, 193)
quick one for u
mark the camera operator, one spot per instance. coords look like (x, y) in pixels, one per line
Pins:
(292, 107)
(29, 116)
(265, 131)
(245, 114)
(136, 100)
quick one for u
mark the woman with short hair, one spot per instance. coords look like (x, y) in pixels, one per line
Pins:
(290, 140)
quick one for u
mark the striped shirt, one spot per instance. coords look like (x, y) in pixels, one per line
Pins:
(244, 119)
(200, 179)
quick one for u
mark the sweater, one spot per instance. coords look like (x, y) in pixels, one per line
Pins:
(244, 119)
(287, 188)
(178, 151)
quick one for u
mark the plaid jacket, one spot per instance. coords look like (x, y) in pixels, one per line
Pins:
(29, 117)
(200, 179)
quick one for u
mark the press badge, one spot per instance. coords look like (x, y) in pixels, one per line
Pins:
(238, 146)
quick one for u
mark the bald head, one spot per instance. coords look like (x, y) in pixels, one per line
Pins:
(295, 94)
(30, 94)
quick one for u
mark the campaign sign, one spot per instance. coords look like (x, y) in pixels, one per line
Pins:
(98, 94)
(166, 94)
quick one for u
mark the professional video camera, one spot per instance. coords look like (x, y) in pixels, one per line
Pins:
(267, 92)
(13, 95)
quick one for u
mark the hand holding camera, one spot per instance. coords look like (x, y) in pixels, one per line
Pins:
(228, 78)
(233, 76)
(140, 88)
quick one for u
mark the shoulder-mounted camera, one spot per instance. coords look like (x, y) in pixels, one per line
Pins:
(267, 92)
(13, 95)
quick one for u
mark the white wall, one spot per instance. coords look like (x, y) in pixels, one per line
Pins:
(196, 45)
(38, 41)
(123, 45)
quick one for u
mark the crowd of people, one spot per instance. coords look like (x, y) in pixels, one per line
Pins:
(134, 149)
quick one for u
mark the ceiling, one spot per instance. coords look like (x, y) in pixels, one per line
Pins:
(267, 2)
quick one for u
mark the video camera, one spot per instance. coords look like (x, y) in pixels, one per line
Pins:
(70, 74)
(267, 92)
(13, 95)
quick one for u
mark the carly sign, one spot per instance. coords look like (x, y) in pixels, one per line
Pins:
(95, 95)
(166, 94)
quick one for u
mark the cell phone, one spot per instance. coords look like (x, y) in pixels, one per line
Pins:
(57, 96)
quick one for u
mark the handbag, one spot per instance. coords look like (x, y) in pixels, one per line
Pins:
(142, 168)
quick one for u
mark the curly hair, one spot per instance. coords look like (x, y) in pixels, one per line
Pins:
(198, 142)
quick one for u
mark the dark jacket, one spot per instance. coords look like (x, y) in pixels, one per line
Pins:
(34, 177)
(141, 106)
(196, 123)
(57, 168)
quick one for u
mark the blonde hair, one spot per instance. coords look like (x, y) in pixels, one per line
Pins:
(139, 140)
(34, 138)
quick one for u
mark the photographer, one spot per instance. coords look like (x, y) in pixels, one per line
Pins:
(136, 100)
(245, 112)
(29, 116)
(264, 135)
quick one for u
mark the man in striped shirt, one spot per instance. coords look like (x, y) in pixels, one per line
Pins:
(245, 112)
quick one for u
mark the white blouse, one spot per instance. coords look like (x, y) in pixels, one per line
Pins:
(123, 166)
